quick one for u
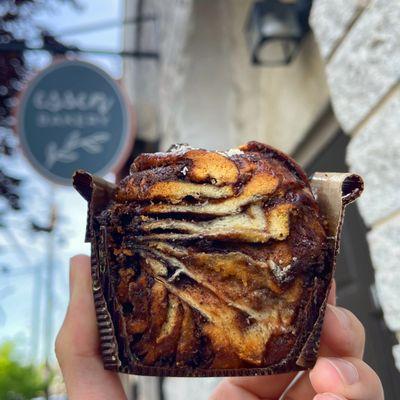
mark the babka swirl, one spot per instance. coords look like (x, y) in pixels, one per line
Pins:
(214, 259)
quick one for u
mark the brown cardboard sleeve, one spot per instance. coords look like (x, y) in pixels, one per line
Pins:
(333, 191)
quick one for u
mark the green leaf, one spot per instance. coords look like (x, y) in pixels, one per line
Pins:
(17, 380)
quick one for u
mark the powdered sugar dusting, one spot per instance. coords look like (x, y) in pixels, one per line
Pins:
(278, 271)
(230, 152)
(184, 170)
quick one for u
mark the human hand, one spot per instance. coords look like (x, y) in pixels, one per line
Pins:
(339, 374)
(77, 343)
(342, 342)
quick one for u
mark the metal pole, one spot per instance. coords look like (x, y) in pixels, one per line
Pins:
(49, 289)
(117, 23)
(12, 48)
(36, 292)
(36, 312)
(19, 248)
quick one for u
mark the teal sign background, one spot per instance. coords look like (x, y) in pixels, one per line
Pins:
(73, 116)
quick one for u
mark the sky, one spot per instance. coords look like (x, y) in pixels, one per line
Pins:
(22, 252)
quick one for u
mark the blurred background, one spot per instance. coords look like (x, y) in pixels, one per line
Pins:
(317, 79)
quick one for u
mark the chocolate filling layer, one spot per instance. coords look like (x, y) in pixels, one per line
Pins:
(213, 259)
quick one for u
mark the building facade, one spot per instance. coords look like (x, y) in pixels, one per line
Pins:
(335, 106)
(358, 40)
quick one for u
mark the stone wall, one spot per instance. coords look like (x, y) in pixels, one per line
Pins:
(359, 41)
(275, 105)
(210, 95)
(223, 100)
(143, 94)
(154, 87)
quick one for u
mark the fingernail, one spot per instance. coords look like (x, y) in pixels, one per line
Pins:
(341, 315)
(347, 371)
(327, 396)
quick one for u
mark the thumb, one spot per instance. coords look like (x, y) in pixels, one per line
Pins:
(77, 343)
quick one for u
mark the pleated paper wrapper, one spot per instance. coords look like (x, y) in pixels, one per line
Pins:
(333, 192)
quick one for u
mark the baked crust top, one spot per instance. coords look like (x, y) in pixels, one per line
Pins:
(216, 260)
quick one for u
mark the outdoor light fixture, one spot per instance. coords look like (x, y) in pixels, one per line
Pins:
(274, 30)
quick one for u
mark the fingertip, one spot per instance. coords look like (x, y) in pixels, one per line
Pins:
(328, 396)
(79, 270)
(79, 259)
(324, 377)
(337, 317)
(342, 333)
(332, 293)
(77, 263)
(79, 330)
(349, 377)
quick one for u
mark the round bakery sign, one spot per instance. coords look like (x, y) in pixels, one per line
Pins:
(73, 116)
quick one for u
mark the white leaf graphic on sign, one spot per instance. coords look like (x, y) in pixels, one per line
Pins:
(66, 153)
(93, 143)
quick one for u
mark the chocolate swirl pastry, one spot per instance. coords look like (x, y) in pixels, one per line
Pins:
(209, 263)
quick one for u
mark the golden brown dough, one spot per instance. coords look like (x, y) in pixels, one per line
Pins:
(214, 261)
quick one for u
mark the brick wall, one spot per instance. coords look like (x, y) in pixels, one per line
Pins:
(359, 41)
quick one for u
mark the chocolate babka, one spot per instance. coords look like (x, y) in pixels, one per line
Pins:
(208, 263)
